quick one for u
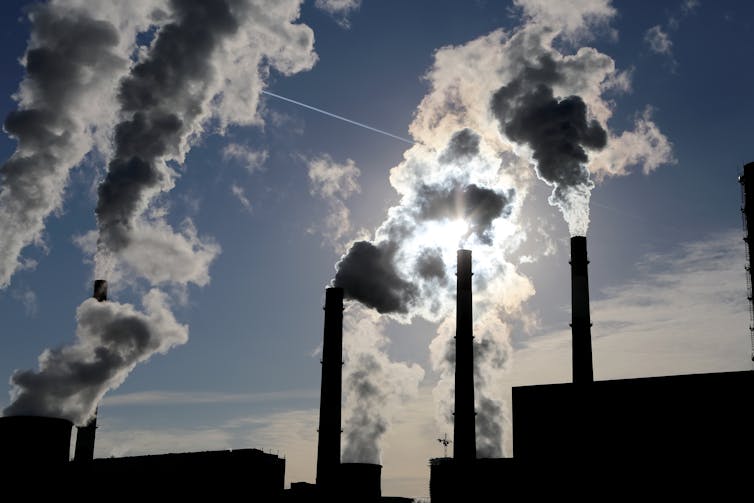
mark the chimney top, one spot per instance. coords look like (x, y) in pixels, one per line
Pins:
(100, 290)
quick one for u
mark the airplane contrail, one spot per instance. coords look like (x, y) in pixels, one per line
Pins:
(335, 116)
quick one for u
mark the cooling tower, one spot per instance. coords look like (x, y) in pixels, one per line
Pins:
(464, 434)
(35, 441)
(360, 482)
(328, 448)
(581, 326)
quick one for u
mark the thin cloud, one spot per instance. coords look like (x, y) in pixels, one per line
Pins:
(240, 194)
(658, 40)
(658, 37)
(340, 10)
(252, 160)
(686, 312)
(28, 299)
(160, 397)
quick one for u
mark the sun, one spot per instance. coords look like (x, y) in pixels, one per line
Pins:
(448, 235)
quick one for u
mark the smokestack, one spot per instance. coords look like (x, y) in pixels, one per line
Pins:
(328, 449)
(85, 434)
(100, 290)
(747, 185)
(464, 433)
(581, 326)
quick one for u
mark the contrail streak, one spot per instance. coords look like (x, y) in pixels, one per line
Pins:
(334, 116)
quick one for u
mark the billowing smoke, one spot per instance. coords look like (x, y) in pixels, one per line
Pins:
(111, 339)
(406, 271)
(164, 100)
(558, 131)
(374, 386)
(477, 206)
(367, 273)
(207, 62)
(388, 273)
(73, 61)
(496, 107)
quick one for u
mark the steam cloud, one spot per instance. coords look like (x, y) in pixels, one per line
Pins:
(207, 61)
(111, 339)
(72, 61)
(374, 386)
(466, 181)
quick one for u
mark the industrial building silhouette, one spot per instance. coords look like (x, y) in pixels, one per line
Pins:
(679, 435)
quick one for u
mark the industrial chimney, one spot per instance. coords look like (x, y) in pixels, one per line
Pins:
(581, 326)
(328, 448)
(85, 434)
(464, 432)
(747, 186)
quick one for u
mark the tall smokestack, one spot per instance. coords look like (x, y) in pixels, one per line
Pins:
(328, 449)
(747, 185)
(464, 432)
(581, 326)
(85, 434)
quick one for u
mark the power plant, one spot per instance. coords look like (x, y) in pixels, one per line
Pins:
(675, 434)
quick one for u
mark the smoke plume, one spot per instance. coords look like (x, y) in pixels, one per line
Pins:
(388, 273)
(374, 387)
(165, 100)
(111, 339)
(367, 273)
(557, 131)
(206, 63)
(73, 62)
(466, 184)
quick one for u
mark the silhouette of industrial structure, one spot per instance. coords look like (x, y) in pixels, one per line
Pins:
(676, 434)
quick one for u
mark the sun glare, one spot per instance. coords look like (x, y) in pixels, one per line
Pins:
(448, 235)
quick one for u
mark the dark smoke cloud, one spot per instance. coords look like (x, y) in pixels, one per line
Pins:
(557, 130)
(166, 97)
(478, 206)
(430, 265)
(367, 273)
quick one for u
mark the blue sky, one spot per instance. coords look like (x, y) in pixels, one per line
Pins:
(667, 261)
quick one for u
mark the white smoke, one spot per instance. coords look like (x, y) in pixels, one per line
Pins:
(111, 339)
(77, 53)
(374, 386)
(407, 269)
(206, 64)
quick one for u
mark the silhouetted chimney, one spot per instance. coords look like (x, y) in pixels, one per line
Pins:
(747, 184)
(581, 326)
(464, 432)
(85, 434)
(328, 448)
(100, 290)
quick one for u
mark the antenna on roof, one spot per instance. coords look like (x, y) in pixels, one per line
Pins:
(445, 443)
